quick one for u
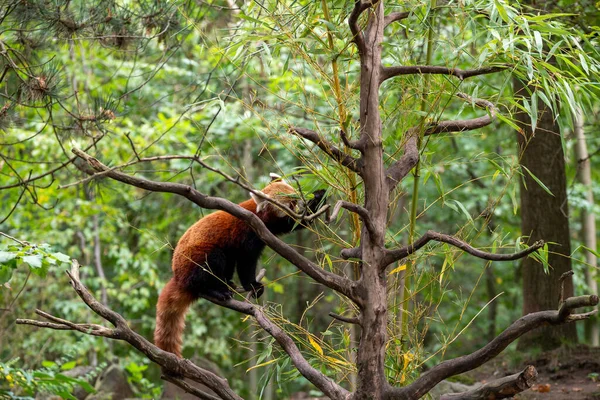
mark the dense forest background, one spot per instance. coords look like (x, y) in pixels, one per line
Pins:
(224, 81)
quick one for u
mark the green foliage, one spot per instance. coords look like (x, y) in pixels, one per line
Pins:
(18, 383)
(146, 79)
(38, 258)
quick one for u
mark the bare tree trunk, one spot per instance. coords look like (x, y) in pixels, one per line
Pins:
(544, 216)
(584, 173)
(371, 382)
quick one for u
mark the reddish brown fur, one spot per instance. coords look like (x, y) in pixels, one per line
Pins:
(202, 240)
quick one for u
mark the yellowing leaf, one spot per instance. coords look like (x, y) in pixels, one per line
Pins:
(398, 269)
(495, 175)
(408, 357)
(315, 345)
(262, 364)
(337, 361)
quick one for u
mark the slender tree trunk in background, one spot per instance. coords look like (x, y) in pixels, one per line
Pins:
(544, 217)
(490, 283)
(588, 234)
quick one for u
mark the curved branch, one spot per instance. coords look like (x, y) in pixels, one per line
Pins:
(300, 216)
(331, 150)
(399, 169)
(348, 320)
(456, 366)
(390, 72)
(501, 388)
(394, 17)
(325, 384)
(357, 35)
(336, 282)
(353, 144)
(466, 124)
(169, 361)
(355, 208)
(398, 254)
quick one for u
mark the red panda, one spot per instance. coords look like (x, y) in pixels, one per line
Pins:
(207, 254)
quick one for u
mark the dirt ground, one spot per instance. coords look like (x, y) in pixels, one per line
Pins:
(572, 374)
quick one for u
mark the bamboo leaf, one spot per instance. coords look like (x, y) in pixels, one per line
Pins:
(314, 344)
(538, 181)
(261, 364)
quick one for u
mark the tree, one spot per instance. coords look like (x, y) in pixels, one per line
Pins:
(544, 213)
(359, 150)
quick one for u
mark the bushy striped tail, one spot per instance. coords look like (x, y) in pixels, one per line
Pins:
(172, 305)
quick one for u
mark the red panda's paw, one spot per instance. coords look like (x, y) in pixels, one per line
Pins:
(256, 288)
(221, 295)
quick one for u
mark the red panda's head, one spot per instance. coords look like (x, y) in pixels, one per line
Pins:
(278, 190)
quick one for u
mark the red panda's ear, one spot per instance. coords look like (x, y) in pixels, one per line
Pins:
(260, 202)
(275, 177)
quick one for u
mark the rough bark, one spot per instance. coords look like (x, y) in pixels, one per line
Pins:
(544, 215)
(371, 382)
(501, 388)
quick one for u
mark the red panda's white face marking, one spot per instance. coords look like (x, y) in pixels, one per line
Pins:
(278, 190)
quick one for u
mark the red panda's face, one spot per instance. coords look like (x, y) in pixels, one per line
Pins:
(278, 190)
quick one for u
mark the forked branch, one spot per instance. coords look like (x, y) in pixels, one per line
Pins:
(527, 323)
(330, 149)
(398, 254)
(394, 17)
(336, 282)
(399, 169)
(180, 367)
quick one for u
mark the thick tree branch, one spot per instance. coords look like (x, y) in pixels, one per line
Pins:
(300, 216)
(390, 72)
(459, 365)
(331, 150)
(394, 17)
(501, 388)
(398, 254)
(340, 284)
(357, 35)
(355, 208)
(354, 252)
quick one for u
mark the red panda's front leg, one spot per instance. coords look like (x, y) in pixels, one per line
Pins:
(246, 269)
